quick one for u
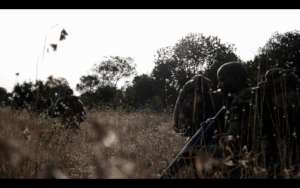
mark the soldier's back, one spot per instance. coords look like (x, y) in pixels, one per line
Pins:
(195, 103)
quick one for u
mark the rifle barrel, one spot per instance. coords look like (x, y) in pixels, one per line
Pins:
(178, 161)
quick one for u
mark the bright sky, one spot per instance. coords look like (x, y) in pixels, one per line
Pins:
(94, 34)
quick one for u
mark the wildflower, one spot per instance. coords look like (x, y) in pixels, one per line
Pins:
(63, 35)
(54, 46)
(245, 148)
(110, 139)
(229, 137)
(27, 134)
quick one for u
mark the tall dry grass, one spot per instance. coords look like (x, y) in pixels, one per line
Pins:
(110, 144)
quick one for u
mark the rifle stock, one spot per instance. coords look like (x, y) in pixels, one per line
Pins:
(179, 160)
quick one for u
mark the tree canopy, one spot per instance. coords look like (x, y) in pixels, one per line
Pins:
(282, 50)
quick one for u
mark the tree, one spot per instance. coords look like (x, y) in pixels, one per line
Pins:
(22, 96)
(281, 51)
(106, 95)
(100, 87)
(191, 55)
(222, 54)
(88, 83)
(141, 92)
(55, 89)
(39, 96)
(196, 53)
(3, 97)
(163, 76)
(113, 69)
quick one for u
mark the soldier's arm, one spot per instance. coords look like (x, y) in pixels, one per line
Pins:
(176, 112)
(187, 88)
(178, 105)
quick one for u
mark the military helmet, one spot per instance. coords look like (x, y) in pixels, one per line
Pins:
(274, 74)
(192, 105)
(232, 76)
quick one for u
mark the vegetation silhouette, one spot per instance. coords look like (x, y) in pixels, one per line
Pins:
(257, 136)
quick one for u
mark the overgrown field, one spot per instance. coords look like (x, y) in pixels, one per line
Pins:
(109, 144)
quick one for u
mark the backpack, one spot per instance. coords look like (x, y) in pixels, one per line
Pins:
(194, 105)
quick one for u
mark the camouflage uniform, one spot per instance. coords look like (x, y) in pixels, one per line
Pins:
(72, 111)
(239, 100)
(260, 120)
(263, 120)
(238, 118)
(281, 109)
(195, 103)
(232, 80)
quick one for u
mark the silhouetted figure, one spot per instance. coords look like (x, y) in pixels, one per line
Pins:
(236, 96)
(232, 79)
(194, 104)
(71, 110)
(262, 120)
(280, 126)
(239, 127)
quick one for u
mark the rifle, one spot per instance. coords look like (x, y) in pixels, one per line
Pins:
(197, 138)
